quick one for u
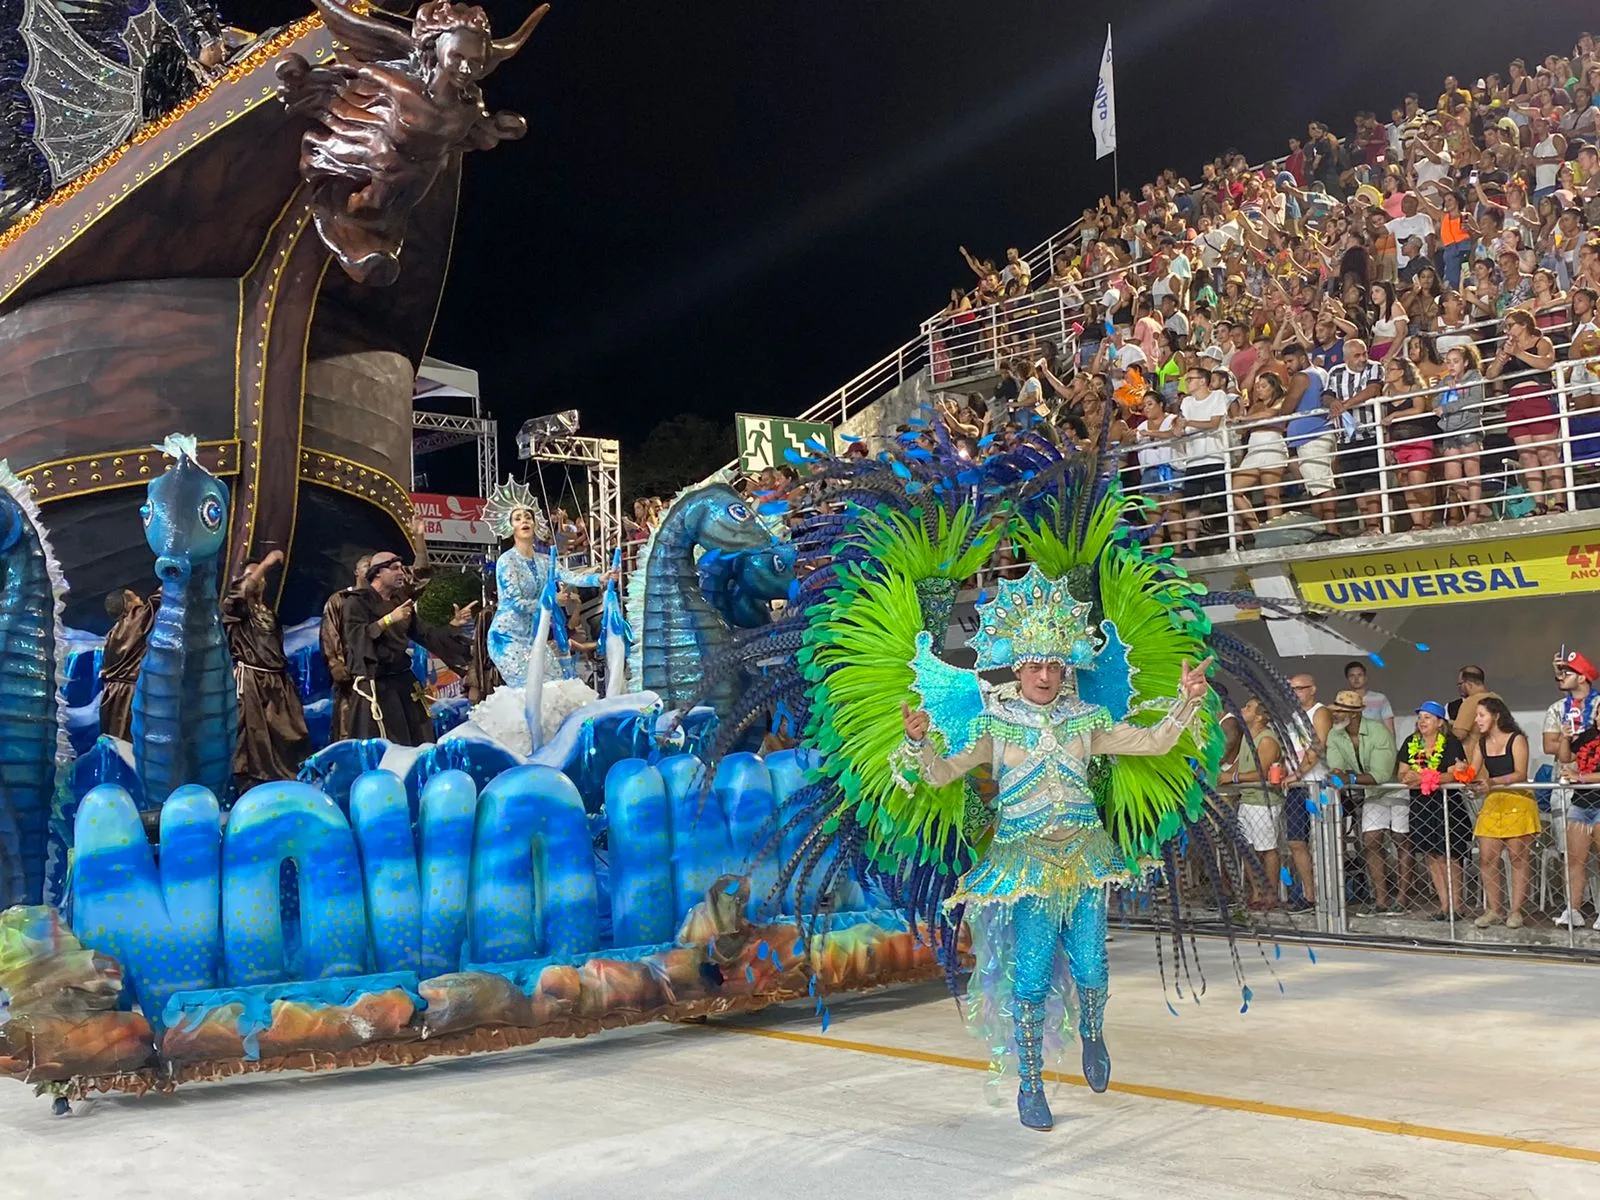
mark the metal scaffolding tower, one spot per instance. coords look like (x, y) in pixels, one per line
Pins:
(442, 391)
(440, 388)
(553, 441)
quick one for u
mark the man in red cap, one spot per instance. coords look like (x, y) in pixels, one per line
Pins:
(1575, 676)
(1572, 719)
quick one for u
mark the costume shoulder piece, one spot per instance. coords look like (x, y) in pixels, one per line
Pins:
(953, 697)
(1108, 681)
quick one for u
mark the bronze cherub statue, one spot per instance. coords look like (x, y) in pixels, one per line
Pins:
(389, 110)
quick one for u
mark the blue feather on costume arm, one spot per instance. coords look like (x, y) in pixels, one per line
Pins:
(549, 600)
(1109, 683)
(951, 696)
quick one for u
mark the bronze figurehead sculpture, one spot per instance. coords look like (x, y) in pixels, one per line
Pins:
(388, 112)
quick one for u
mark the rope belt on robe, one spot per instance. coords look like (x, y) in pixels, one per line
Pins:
(418, 693)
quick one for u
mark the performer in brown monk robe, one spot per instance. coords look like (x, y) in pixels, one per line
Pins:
(379, 626)
(272, 725)
(133, 615)
(331, 638)
(482, 676)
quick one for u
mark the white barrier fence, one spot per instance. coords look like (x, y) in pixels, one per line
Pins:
(1417, 870)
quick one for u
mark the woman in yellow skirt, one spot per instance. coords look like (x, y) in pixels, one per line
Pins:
(1509, 817)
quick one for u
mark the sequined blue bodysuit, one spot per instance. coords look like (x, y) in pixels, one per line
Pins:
(1039, 886)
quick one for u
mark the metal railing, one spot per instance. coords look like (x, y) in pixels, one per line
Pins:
(968, 346)
(1389, 863)
(972, 345)
(1528, 446)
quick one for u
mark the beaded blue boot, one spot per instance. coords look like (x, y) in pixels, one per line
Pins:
(1096, 1059)
(1032, 1108)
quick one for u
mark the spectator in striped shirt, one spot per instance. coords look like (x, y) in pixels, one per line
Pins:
(1352, 387)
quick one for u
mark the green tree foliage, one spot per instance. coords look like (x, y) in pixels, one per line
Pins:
(679, 451)
(437, 602)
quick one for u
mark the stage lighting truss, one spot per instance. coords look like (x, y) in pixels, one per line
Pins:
(553, 441)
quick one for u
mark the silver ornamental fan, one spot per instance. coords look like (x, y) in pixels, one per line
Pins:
(84, 104)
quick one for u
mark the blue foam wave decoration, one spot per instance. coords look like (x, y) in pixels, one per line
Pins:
(395, 876)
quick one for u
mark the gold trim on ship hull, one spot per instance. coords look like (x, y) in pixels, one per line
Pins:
(341, 474)
(107, 470)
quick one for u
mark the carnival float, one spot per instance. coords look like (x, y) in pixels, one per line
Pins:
(179, 406)
(253, 256)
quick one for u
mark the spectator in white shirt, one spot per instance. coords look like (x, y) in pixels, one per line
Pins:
(1412, 224)
(1173, 319)
(1179, 272)
(1215, 242)
(1431, 156)
(1205, 446)
(1375, 705)
(1161, 467)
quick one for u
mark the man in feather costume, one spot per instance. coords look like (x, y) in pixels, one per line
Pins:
(1104, 748)
(1035, 902)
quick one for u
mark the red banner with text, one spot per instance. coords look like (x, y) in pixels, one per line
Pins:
(453, 518)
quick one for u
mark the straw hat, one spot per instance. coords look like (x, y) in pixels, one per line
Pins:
(1347, 703)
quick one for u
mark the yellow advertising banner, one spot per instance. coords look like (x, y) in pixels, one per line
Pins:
(1550, 565)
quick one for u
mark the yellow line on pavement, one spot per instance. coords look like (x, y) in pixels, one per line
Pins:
(1201, 1099)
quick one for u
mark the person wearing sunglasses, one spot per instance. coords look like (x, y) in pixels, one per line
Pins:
(1572, 738)
(380, 624)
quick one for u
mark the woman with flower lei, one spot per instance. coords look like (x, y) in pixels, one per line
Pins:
(1430, 762)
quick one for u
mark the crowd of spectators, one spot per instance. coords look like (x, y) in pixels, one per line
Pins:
(643, 519)
(1366, 334)
(1461, 800)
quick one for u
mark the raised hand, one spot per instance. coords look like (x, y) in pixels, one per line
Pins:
(463, 613)
(915, 721)
(1193, 682)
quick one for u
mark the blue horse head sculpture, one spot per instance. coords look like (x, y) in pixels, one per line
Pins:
(185, 708)
(185, 514)
(714, 517)
(742, 585)
(681, 628)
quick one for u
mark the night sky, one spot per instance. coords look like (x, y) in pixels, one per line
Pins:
(738, 206)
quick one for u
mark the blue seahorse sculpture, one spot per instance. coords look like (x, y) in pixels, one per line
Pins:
(33, 746)
(185, 707)
(742, 586)
(681, 628)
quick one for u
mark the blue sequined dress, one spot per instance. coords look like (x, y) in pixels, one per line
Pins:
(1040, 884)
(520, 582)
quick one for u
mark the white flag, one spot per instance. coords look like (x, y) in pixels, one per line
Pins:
(1103, 118)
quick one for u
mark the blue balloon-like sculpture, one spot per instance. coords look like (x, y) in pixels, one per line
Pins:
(502, 875)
